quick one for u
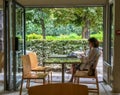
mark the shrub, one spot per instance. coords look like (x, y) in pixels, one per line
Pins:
(33, 36)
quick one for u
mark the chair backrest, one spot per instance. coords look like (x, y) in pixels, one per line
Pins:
(26, 65)
(59, 89)
(1, 60)
(33, 59)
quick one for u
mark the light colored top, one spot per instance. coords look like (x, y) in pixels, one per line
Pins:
(90, 58)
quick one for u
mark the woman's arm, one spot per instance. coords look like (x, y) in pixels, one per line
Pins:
(92, 56)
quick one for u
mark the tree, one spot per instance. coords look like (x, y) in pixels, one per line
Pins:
(36, 19)
(85, 16)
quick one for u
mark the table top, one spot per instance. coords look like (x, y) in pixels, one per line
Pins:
(57, 56)
(62, 56)
(61, 59)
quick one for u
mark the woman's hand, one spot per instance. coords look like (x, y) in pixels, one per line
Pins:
(82, 55)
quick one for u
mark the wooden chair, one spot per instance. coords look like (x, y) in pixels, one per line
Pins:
(84, 74)
(35, 65)
(58, 89)
(1, 61)
(27, 74)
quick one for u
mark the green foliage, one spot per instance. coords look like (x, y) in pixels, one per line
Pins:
(72, 36)
(63, 20)
(57, 45)
(99, 36)
(63, 28)
(33, 36)
(61, 37)
(47, 47)
(79, 16)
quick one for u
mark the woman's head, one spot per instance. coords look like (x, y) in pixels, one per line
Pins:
(93, 42)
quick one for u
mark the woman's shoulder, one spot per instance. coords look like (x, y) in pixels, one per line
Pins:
(96, 50)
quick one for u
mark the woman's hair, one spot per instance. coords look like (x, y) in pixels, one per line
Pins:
(94, 42)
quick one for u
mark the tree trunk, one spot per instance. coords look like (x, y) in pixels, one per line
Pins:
(42, 25)
(85, 30)
(43, 28)
(85, 33)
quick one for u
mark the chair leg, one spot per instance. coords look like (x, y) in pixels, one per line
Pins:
(51, 76)
(75, 80)
(21, 86)
(28, 83)
(97, 84)
(78, 80)
(43, 80)
(48, 78)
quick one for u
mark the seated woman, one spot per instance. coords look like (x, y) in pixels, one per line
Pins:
(87, 60)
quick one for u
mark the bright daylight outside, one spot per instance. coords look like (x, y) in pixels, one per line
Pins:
(62, 31)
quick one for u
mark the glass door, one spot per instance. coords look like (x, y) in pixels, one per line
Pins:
(14, 43)
(111, 44)
(19, 41)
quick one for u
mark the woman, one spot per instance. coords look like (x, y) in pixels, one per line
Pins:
(89, 59)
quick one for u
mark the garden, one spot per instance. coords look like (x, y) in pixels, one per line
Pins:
(61, 30)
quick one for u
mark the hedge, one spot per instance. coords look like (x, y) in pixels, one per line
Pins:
(44, 48)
